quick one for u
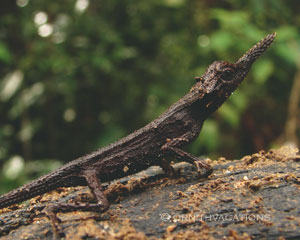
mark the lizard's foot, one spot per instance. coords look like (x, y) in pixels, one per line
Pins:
(200, 164)
(50, 212)
(53, 209)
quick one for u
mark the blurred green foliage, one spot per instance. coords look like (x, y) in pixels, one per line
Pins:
(79, 74)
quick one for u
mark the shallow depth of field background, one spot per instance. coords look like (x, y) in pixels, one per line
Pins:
(76, 75)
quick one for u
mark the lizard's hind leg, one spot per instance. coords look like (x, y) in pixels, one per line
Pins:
(101, 206)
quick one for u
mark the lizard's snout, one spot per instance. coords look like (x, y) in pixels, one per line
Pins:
(256, 51)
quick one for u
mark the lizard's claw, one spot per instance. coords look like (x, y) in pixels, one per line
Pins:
(200, 164)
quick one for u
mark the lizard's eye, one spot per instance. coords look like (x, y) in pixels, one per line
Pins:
(227, 75)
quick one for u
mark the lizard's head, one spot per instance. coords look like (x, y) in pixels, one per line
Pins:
(222, 78)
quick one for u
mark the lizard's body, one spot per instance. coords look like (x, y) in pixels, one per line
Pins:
(148, 146)
(136, 152)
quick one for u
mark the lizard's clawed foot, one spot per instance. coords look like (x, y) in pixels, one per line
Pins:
(200, 164)
(50, 212)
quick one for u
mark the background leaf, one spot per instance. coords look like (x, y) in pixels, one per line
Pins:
(92, 73)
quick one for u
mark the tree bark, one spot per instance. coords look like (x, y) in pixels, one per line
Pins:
(255, 197)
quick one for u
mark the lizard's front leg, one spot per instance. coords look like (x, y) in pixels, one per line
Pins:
(169, 148)
(101, 206)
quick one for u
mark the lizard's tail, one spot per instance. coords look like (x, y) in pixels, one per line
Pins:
(41, 185)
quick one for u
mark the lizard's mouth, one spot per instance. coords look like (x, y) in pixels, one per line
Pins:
(215, 99)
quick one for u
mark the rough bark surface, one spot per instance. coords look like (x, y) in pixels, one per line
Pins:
(252, 198)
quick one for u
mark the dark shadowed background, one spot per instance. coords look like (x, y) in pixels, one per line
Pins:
(76, 75)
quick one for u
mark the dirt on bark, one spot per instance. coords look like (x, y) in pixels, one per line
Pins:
(252, 198)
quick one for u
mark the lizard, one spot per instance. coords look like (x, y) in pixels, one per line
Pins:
(151, 145)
